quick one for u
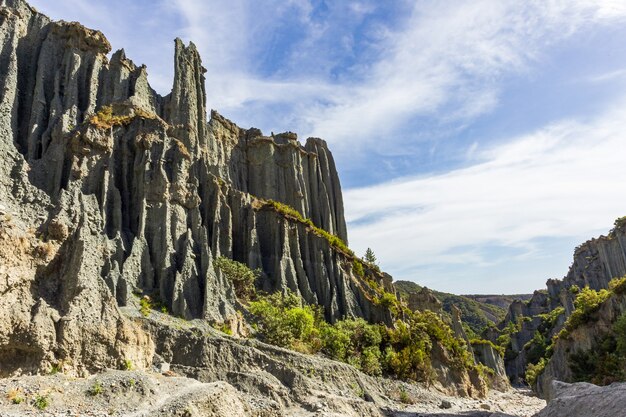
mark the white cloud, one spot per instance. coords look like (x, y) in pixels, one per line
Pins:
(565, 180)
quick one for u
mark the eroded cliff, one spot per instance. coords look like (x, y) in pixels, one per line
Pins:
(115, 193)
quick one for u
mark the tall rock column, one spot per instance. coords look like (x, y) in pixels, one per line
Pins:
(185, 107)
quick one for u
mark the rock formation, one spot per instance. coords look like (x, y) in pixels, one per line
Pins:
(110, 192)
(595, 264)
(171, 190)
(583, 400)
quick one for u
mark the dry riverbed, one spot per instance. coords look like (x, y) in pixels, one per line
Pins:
(130, 393)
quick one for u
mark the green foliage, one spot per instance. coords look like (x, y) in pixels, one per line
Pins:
(601, 365)
(128, 365)
(477, 315)
(242, 277)
(618, 285)
(369, 257)
(41, 402)
(145, 305)
(148, 303)
(354, 341)
(548, 320)
(605, 363)
(619, 327)
(534, 370)
(284, 321)
(96, 389)
(357, 267)
(403, 351)
(225, 328)
(499, 349)
(574, 289)
(294, 214)
(587, 302)
(536, 348)
(386, 300)
(54, 369)
(404, 397)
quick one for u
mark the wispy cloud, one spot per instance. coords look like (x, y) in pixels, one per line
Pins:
(565, 180)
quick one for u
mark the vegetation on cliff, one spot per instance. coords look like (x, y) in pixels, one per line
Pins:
(403, 350)
(606, 361)
(475, 315)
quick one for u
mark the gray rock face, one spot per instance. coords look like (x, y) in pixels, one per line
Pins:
(173, 191)
(119, 193)
(488, 356)
(425, 300)
(584, 400)
(581, 339)
(595, 263)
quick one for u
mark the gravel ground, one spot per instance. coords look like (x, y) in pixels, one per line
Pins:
(514, 403)
(138, 394)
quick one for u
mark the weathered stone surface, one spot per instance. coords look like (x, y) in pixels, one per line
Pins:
(582, 339)
(425, 300)
(485, 353)
(583, 400)
(121, 193)
(173, 190)
(595, 263)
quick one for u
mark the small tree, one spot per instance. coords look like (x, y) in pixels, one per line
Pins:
(242, 277)
(369, 257)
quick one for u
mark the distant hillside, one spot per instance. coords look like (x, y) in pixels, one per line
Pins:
(502, 301)
(475, 313)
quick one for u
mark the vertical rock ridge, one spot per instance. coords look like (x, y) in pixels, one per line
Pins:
(185, 107)
(173, 190)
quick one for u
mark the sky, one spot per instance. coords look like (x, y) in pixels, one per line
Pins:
(478, 142)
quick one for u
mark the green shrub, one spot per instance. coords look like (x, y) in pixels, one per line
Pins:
(587, 302)
(41, 402)
(536, 348)
(284, 321)
(357, 267)
(548, 320)
(534, 370)
(95, 389)
(242, 277)
(128, 365)
(404, 397)
(402, 351)
(225, 328)
(497, 348)
(335, 342)
(370, 361)
(618, 285)
(601, 365)
(145, 305)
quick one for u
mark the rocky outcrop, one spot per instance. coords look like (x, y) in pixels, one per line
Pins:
(595, 263)
(424, 299)
(584, 338)
(487, 355)
(122, 195)
(173, 191)
(583, 400)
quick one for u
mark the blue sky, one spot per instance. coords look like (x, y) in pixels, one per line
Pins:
(478, 142)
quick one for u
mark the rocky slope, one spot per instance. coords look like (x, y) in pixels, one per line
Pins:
(110, 192)
(476, 314)
(538, 322)
(582, 400)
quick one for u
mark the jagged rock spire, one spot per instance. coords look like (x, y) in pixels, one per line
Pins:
(185, 107)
